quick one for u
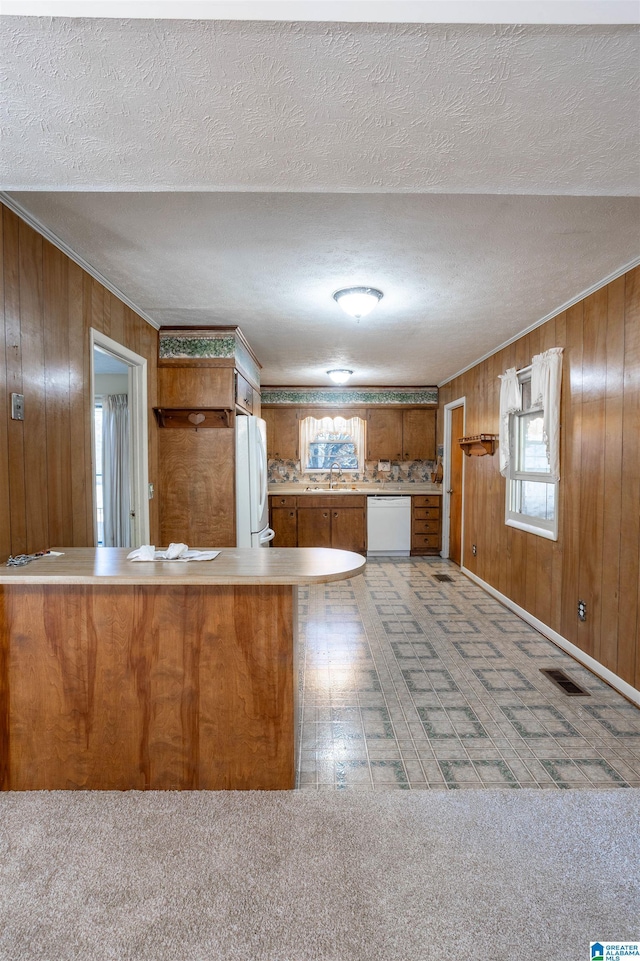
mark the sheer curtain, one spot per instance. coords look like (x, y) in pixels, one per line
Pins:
(311, 426)
(115, 470)
(510, 402)
(546, 383)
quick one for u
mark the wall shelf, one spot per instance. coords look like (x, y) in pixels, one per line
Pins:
(193, 418)
(479, 444)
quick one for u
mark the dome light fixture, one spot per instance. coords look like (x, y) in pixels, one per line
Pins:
(358, 301)
(340, 375)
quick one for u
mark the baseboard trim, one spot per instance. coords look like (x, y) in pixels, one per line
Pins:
(586, 660)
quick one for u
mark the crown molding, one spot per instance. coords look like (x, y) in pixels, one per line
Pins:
(341, 11)
(28, 218)
(543, 320)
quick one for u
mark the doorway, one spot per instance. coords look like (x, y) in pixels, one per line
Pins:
(453, 481)
(120, 456)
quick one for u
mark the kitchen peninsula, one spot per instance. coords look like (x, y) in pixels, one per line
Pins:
(126, 675)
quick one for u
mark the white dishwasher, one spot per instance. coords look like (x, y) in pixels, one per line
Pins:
(388, 526)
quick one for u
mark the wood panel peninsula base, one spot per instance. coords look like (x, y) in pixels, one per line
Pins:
(122, 675)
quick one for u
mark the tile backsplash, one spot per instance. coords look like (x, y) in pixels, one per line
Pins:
(409, 472)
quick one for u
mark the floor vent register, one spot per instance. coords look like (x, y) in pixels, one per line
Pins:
(564, 682)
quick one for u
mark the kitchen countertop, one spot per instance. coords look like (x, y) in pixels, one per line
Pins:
(367, 489)
(105, 566)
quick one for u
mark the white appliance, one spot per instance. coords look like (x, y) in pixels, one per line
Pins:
(252, 505)
(388, 526)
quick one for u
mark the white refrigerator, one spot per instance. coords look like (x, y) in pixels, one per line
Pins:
(252, 504)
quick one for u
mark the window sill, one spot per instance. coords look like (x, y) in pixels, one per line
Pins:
(532, 529)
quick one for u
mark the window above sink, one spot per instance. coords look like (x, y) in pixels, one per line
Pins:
(332, 440)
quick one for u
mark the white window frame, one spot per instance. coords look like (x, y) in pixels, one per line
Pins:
(304, 449)
(515, 518)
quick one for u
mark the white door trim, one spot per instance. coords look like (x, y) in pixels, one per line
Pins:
(446, 478)
(139, 433)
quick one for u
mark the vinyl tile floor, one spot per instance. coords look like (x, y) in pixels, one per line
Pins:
(412, 683)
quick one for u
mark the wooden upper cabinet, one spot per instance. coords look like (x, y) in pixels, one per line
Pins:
(282, 432)
(419, 434)
(181, 387)
(384, 434)
(244, 393)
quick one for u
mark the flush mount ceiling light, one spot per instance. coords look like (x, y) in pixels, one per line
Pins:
(358, 301)
(340, 376)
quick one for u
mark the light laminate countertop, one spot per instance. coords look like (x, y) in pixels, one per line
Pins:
(109, 565)
(367, 490)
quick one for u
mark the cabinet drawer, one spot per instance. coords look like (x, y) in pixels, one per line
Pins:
(426, 500)
(285, 500)
(425, 542)
(424, 513)
(426, 527)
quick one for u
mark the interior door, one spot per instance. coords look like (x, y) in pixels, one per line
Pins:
(454, 491)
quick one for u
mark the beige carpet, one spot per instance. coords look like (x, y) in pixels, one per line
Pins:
(506, 875)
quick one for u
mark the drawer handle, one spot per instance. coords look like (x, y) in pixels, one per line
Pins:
(335, 513)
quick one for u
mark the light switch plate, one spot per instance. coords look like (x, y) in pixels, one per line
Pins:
(17, 407)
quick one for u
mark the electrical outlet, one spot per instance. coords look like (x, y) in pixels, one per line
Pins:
(151, 492)
(582, 610)
(17, 407)
(474, 550)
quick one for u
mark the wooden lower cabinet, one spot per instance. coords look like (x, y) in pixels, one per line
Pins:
(348, 529)
(284, 522)
(425, 523)
(312, 522)
(314, 527)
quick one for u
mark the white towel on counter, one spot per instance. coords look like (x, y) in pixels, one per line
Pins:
(174, 552)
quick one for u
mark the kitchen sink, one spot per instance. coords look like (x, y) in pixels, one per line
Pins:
(334, 490)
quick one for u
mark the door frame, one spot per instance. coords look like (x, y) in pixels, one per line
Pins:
(446, 478)
(137, 366)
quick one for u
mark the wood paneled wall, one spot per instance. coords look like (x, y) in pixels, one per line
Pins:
(47, 305)
(596, 557)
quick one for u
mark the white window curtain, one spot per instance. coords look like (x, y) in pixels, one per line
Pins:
(546, 383)
(510, 402)
(311, 426)
(115, 470)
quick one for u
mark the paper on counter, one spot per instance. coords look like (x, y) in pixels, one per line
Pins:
(174, 552)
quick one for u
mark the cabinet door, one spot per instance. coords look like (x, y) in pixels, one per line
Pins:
(419, 434)
(314, 527)
(347, 529)
(283, 522)
(384, 434)
(244, 393)
(196, 387)
(282, 433)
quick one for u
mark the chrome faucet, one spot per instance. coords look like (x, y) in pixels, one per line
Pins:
(331, 474)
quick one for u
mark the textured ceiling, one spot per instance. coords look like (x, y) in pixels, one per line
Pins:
(240, 172)
(195, 105)
(460, 274)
